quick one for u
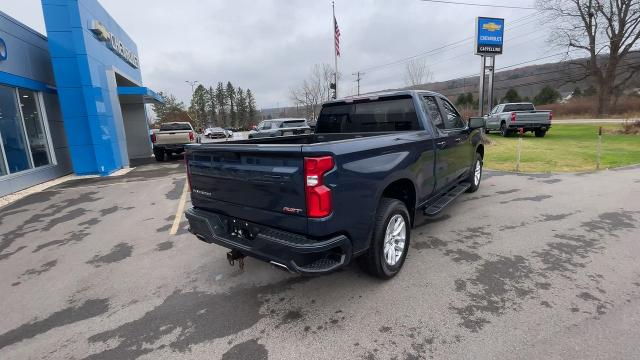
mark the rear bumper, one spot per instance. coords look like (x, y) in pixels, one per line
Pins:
(529, 126)
(297, 253)
(169, 146)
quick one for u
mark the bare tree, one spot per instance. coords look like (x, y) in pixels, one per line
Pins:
(607, 31)
(417, 72)
(314, 90)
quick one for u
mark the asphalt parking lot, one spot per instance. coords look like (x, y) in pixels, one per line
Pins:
(530, 266)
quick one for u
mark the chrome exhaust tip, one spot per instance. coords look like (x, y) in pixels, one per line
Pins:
(280, 266)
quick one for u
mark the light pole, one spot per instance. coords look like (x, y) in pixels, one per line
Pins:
(193, 83)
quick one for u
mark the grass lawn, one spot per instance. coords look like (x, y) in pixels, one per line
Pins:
(565, 148)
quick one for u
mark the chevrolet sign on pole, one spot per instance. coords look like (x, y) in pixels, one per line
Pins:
(489, 36)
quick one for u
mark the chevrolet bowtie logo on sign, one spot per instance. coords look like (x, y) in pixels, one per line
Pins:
(113, 43)
(491, 26)
(489, 36)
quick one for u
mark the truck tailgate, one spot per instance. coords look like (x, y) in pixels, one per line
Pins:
(269, 180)
(173, 137)
(537, 117)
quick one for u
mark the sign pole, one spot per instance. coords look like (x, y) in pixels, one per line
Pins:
(481, 86)
(492, 67)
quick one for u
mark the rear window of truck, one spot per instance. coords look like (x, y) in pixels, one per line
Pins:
(174, 127)
(518, 107)
(383, 115)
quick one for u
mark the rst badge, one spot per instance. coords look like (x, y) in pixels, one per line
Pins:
(289, 210)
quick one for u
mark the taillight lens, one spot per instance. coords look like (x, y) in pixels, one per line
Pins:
(513, 117)
(153, 138)
(186, 165)
(318, 195)
(550, 115)
(191, 136)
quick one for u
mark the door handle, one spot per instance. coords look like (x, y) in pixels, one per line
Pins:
(458, 140)
(441, 144)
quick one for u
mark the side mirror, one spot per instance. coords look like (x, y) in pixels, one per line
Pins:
(476, 122)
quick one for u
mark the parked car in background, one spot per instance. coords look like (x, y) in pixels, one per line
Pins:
(217, 133)
(171, 138)
(508, 118)
(314, 202)
(280, 127)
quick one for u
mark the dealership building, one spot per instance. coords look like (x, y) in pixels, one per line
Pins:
(72, 101)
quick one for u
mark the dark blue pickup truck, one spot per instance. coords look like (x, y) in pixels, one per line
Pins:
(313, 203)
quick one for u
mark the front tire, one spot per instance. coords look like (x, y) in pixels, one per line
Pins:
(475, 177)
(390, 243)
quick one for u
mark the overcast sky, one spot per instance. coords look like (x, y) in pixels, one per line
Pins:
(270, 45)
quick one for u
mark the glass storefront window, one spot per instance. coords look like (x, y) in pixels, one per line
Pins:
(23, 139)
(12, 132)
(35, 131)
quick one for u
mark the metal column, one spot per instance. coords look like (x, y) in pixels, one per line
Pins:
(483, 73)
(491, 69)
(481, 86)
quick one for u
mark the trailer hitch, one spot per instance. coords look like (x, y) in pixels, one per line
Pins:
(234, 255)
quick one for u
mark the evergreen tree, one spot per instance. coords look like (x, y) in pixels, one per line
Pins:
(251, 107)
(231, 98)
(471, 101)
(211, 107)
(512, 96)
(461, 100)
(242, 108)
(198, 106)
(547, 95)
(221, 104)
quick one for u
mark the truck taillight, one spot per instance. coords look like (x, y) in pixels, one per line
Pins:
(513, 117)
(550, 115)
(191, 136)
(154, 138)
(318, 195)
(186, 165)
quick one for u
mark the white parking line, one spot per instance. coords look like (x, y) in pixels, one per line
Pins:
(180, 211)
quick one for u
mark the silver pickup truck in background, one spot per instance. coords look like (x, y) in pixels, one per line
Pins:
(171, 139)
(509, 118)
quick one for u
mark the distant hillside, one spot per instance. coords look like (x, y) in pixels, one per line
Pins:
(528, 80)
(563, 76)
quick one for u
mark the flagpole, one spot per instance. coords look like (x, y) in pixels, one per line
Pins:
(335, 52)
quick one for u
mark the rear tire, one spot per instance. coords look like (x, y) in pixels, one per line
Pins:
(159, 154)
(391, 217)
(475, 177)
(504, 130)
(540, 133)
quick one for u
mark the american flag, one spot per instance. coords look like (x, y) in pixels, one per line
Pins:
(337, 36)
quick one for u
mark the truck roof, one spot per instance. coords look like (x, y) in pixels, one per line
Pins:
(286, 119)
(385, 93)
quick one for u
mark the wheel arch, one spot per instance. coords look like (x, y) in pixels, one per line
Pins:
(404, 190)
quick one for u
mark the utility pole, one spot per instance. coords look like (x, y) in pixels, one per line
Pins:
(358, 78)
(193, 83)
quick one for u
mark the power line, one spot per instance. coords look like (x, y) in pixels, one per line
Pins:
(454, 44)
(481, 5)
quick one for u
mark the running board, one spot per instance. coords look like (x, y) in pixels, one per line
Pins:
(446, 199)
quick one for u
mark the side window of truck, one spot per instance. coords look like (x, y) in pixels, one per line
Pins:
(453, 120)
(432, 110)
